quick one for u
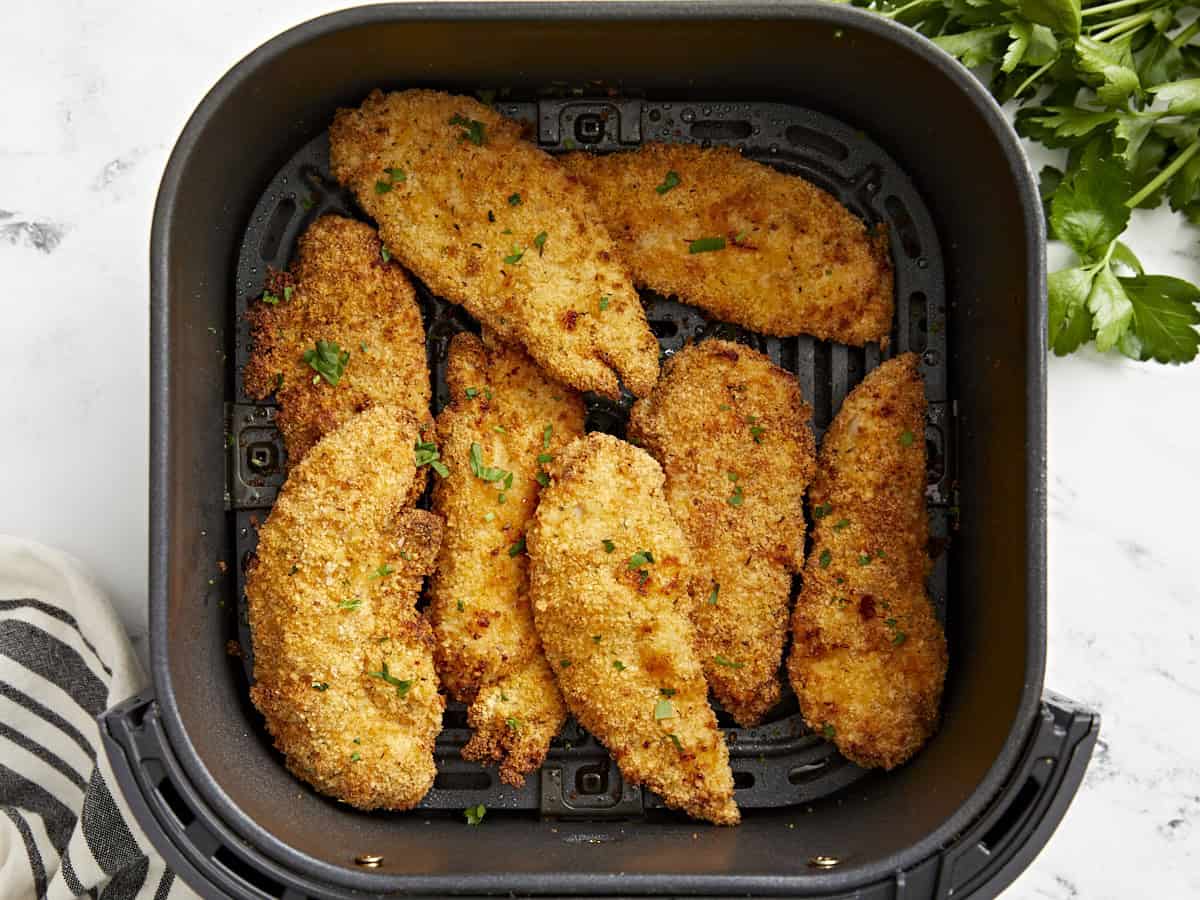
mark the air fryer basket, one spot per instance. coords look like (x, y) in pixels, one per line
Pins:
(810, 89)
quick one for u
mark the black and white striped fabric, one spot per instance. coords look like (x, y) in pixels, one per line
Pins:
(64, 829)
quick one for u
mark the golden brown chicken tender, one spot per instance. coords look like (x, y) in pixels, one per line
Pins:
(506, 419)
(489, 221)
(611, 576)
(343, 662)
(743, 241)
(868, 655)
(731, 432)
(339, 291)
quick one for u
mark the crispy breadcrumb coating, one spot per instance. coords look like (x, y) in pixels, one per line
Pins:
(489, 221)
(343, 662)
(868, 656)
(341, 290)
(731, 432)
(794, 260)
(488, 652)
(611, 576)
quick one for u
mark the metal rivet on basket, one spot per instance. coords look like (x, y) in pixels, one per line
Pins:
(824, 862)
(369, 861)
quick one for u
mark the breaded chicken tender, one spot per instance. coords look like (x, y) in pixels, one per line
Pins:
(339, 290)
(488, 653)
(612, 581)
(742, 241)
(489, 221)
(868, 656)
(731, 431)
(343, 662)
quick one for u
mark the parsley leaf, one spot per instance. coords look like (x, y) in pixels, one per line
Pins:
(540, 242)
(706, 245)
(475, 131)
(517, 548)
(712, 597)
(328, 360)
(727, 663)
(1165, 312)
(1089, 209)
(825, 559)
(514, 199)
(487, 473)
(515, 257)
(664, 710)
(821, 511)
(426, 453)
(640, 559)
(401, 686)
(604, 302)
(382, 572)
(670, 180)
(736, 498)
(475, 814)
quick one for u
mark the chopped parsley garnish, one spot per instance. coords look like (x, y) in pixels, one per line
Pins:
(906, 439)
(544, 458)
(350, 604)
(475, 813)
(899, 638)
(640, 559)
(724, 407)
(674, 740)
(736, 498)
(740, 236)
(864, 559)
(513, 722)
(540, 242)
(712, 597)
(487, 473)
(514, 199)
(825, 559)
(394, 176)
(320, 686)
(604, 302)
(355, 756)
(829, 731)
(595, 638)
(475, 131)
(609, 546)
(287, 293)
(362, 345)
(756, 432)
(499, 429)
(427, 454)
(670, 180)
(547, 433)
(269, 298)
(381, 572)
(383, 674)
(472, 392)
(565, 663)
(518, 547)
(821, 511)
(618, 665)
(727, 663)
(461, 606)
(542, 478)
(732, 476)
(706, 245)
(668, 692)
(664, 710)
(840, 524)
(328, 360)
(515, 257)
(293, 570)
(384, 254)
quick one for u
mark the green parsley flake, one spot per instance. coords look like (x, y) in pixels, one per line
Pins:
(670, 180)
(287, 293)
(664, 710)
(487, 473)
(544, 458)
(825, 559)
(820, 512)
(829, 731)
(472, 393)
(382, 572)
(475, 131)
(320, 686)
(461, 606)
(328, 360)
(674, 740)
(840, 524)
(547, 433)
(475, 814)
(756, 432)
(542, 478)
(732, 476)
(514, 199)
(383, 675)
(712, 597)
(736, 498)
(350, 604)
(518, 547)
(727, 663)
(540, 242)
(706, 245)
(513, 722)
(609, 546)
(515, 257)
(899, 638)
(864, 559)
(668, 692)
(640, 559)
(488, 516)
(604, 302)
(595, 638)
(565, 663)
(906, 439)
(355, 756)
(426, 454)
(384, 254)
(618, 665)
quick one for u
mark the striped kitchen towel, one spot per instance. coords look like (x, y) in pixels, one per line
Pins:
(65, 830)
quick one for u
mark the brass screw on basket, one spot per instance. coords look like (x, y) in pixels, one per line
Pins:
(369, 860)
(824, 862)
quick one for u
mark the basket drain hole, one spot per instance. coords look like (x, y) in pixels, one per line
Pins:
(918, 323)
(454, 718)
(175, 803)
(743, 780)
(462, 781)
(711, 130)
(664, 328)
(903, 226)
(799, 136)
(268, 250)
(247, 874)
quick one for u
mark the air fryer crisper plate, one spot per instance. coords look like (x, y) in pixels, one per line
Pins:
(781, 762)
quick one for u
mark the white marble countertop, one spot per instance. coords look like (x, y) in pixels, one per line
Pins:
(95, 95)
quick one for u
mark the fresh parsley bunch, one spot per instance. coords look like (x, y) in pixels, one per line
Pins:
(1116, 84)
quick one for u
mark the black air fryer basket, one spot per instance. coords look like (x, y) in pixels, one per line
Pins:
(867, 110)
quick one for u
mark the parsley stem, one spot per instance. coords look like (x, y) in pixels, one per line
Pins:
(1034, 77)
(892, 13)
(1165, 175)
(1109, 7)
(1186, 35)
(1121, 26)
